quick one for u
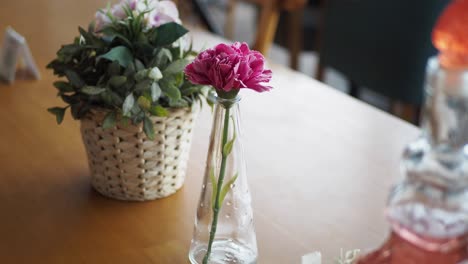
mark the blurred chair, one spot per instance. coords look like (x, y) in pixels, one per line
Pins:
(201, 8)
(268, 21)
(382, 45)
(298, 30)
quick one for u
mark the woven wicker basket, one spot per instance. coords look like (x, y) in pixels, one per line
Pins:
(126, 165)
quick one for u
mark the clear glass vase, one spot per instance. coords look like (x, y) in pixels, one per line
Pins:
(224, 230)
(428, 210)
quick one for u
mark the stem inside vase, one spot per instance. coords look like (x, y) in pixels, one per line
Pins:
(219, 185)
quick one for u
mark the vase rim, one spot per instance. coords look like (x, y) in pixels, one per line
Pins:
(227, 101)
(232, 100)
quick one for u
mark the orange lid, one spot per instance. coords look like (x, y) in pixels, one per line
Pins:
(450, 35)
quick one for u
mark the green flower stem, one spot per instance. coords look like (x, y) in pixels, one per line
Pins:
(217, 205)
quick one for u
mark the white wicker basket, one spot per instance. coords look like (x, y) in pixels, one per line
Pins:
(126, 165)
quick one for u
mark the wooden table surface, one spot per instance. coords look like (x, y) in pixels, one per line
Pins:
(320, 165)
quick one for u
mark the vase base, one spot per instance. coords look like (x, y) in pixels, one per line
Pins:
(224, 252)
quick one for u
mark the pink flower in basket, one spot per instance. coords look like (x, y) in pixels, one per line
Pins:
(159, 12)
(230, 67)
(163, 12)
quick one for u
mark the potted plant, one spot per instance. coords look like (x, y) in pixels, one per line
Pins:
(124, 81)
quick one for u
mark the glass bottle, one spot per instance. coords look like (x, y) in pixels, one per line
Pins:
(428, 211)
(231, 235)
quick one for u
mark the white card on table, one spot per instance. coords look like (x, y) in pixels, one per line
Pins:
(312, 258)
(15, 54)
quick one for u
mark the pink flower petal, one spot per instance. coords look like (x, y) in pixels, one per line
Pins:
(228, 67)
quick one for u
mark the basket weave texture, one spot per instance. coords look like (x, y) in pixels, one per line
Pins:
(126, 165)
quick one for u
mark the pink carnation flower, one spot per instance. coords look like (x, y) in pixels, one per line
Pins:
(230, 67)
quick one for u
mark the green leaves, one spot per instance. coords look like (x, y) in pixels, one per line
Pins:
(218, 190)
(117, 81)
(228, 95)
(109, 120)
(226, 188)
(148, 127)
(168, 33)
(143, 86)
(158, 110)
(120, 54)
(223, 191)
(86, 35)
(74, 78)
(128, 105)
(155, 74)
(170, 90)
(176, 67)
(227, 149)
(139, 65)
(144, 103)
(112, 98)
(113, 68)
(163, 57)
(114, 34)
(155, 91)
(92, 90)
(130, 70)
(67, 51)
(71, 99)
(58, 112)
(64, 87)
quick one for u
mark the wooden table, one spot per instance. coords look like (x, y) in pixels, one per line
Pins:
(320, 165)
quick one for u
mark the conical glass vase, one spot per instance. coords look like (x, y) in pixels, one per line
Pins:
(224, 230)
